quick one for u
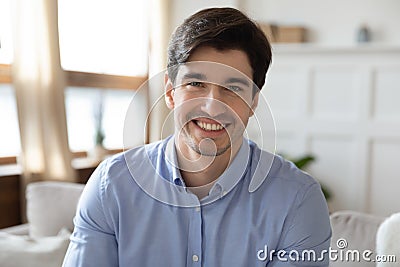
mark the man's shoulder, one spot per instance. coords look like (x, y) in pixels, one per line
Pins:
(121, 164)
(285, 187)
(279, 171)
(147, 150)
(287, 171)
(136, 154)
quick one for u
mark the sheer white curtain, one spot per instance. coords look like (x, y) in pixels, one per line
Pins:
(159, 37)
(39, 85)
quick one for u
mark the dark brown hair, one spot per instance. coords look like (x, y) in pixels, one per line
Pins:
(220, 28)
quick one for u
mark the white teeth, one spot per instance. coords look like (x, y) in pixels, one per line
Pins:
(209, 126)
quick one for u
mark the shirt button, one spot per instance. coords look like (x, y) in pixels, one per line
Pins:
(197, 209)
(195, 258)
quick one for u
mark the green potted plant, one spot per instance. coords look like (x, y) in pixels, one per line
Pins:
(98, 152)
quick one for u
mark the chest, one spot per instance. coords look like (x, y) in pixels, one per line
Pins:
(228, 232)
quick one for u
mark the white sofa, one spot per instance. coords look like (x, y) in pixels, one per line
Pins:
(353, 231)
(44, 240)
(52, 205)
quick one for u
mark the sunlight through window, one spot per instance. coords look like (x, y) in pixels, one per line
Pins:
(104, 36)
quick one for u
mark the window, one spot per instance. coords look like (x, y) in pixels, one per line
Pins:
(112, 39)
(81, 107)
(6, 47)
(9, 135)
(103, 45)
(104, 36)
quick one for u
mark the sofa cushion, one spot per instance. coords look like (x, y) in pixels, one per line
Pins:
(22, 251)
(353, 231)
(388, 241)
(51, 206)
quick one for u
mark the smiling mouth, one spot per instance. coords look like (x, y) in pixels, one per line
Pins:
(209, 126)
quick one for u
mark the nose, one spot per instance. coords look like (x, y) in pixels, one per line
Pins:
(213, 104)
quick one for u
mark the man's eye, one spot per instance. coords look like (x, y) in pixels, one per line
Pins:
(195, 84)
(233, 88)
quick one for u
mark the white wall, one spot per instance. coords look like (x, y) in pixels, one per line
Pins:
(341, 106)
(333, 21)
(330, 22)
(181, 9)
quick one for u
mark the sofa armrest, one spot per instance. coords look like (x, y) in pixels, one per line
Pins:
(22, 229)
(359, 232)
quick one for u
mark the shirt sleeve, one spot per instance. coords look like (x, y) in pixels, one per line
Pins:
(306, 240)
(93, 241)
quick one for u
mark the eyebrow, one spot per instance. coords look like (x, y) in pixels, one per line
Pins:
(201, 76)
(238, 80)
(195, 75)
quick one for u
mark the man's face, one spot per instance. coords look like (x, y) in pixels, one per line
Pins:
(212, 101)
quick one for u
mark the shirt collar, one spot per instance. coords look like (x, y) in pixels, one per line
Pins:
(235, 171)
(229, 178)
(172, 162)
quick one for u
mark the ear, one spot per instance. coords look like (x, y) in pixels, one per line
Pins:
(169, 92)
(254, 104)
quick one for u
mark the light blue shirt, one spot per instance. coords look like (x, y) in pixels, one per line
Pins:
(136, 211)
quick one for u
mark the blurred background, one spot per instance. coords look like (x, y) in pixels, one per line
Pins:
(69, 71)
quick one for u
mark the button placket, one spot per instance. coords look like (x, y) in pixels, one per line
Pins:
(194, 256)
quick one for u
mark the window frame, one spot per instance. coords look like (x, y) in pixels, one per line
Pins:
(5, 73)
(81, 79)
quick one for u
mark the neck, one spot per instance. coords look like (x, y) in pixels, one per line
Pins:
(198, 170)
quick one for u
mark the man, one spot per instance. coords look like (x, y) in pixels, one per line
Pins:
(205, 196)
